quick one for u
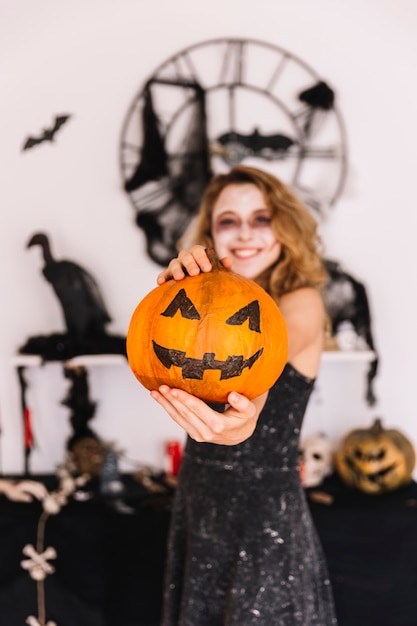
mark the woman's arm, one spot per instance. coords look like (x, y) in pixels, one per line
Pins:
(304, 315)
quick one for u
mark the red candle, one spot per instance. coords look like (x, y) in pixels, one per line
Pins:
(28, 428)
(173, 455)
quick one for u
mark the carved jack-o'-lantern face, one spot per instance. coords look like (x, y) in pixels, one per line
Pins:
(375, 460)
(208, 334)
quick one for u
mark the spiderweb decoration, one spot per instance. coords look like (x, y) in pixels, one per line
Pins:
(168, 188)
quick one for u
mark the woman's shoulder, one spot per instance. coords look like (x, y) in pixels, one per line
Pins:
(302, 298)
(304, 314)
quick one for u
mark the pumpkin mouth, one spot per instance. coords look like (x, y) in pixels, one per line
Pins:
(381, 474)
(195, 368)
(374, 477)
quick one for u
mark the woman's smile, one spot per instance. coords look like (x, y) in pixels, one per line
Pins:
(242, 230)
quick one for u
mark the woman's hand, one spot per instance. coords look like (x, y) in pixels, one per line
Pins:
(204, 424)
(189, 262)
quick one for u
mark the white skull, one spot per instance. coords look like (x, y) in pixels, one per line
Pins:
(318, 459)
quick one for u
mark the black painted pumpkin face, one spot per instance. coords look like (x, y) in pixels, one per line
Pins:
(191, 367)
(209, 334)
(375, 460)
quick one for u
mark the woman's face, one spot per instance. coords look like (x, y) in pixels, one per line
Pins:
(241, 229)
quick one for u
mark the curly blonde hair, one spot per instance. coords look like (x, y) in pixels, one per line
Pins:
(300, 262)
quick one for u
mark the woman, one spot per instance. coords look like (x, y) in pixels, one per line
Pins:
(242, 548)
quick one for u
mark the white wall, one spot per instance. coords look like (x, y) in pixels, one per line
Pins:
(89, 58)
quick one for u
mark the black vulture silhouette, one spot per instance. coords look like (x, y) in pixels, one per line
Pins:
(82, 304)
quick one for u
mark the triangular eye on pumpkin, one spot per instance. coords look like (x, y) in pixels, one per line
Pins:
(192, 367)
(208, 334)
(182, 303)
(251, 313)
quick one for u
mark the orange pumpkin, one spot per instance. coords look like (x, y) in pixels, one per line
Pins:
(375, 460)
(208, 334)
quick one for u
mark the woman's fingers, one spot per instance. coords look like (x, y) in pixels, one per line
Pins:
(189, 262)
(240, 403)
(196, 260)
(227, 262)
(202, 423)
(185, 410)
(174, 270)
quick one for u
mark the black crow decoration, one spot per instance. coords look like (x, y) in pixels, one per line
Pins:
(84, 311)
(83, 307)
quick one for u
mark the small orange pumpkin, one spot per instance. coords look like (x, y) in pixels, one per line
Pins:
(375, 460)
(208, 334)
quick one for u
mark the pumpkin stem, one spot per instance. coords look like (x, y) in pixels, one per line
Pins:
(214, 260)
(376, 428)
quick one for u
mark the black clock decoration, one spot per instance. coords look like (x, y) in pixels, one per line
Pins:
(217, 104)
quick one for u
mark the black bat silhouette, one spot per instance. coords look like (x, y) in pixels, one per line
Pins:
(48, 134)
(238, 146)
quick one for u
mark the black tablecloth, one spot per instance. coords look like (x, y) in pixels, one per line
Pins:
(109, 565)
(371, 548)
(110, 559)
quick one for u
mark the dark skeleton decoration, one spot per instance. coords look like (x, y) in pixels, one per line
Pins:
(346, 300)
(170, 188)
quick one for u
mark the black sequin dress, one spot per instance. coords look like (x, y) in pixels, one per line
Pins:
(243, 550)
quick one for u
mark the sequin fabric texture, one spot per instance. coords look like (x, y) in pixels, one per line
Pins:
(243, 550)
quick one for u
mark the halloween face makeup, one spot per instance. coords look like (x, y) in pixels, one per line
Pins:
(241, 228)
